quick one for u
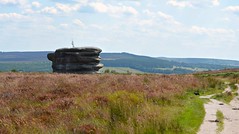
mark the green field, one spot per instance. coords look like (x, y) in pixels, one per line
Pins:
(26, 66)
(46, 67)
(121, 70)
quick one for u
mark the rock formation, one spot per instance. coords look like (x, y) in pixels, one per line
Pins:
(76, 60)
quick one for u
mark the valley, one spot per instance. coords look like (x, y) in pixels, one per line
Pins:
(37, 62)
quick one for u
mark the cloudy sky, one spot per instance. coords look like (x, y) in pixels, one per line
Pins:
(169, 28)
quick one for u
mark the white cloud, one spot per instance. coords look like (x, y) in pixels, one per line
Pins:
(95, 26)
(83, 2)
(193, 3)
(226, 19)
(22, 3)
(64, 25)
(181, 4)
(51, 27)
(146, 22)
(210, 31)
(232, 8)
(100, 7)
(79, 22)
(158, 15)
(8, 1)
(29, 11)
(215, 2)
(165, 16)
(150, 13)
(141, 22)
(67, 8)
(14, 16)
(50, 10)
(168, 18)
(36, 4)
(107, 8)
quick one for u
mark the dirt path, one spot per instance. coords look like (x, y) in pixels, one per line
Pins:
(231, 121)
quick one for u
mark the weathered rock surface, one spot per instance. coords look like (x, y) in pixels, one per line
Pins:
(76, 60)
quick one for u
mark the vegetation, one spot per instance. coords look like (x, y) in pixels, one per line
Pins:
(120, 70)
(213, 86)
(105, 103)
(193, 114)
(218, 81)
(220, 123)
(226, 73)
(14, 70)
(26, 66)
(225, 97)
(233, 86)
(70, 103)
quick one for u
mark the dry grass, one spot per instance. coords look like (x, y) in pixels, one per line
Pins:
(71, 103)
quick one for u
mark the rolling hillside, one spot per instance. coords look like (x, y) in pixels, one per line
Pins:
(23, 56)
(38, 62)
(157, 65)
(203, 61)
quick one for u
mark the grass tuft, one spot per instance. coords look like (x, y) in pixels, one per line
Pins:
(220, 123)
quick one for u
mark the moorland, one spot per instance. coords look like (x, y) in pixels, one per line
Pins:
(107, 103)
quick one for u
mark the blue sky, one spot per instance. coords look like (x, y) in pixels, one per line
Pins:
(168, 28)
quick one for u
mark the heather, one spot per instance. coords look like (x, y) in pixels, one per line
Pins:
(100, 103)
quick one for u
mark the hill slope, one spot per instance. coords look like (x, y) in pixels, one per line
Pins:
(38, 62)
(203, 61)
(156, 65)
(23, 56)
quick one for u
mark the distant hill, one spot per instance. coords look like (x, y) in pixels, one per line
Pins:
(24, 56)
(203, 61)
(38, 62)
(25, 61)
(159, 65)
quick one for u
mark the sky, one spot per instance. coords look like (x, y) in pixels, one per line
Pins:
(158, 28)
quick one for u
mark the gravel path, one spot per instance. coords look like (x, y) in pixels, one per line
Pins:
(230, 112)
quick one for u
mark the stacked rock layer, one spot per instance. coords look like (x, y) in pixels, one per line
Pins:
(76, 60)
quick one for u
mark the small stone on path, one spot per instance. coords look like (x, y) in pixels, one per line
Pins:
(235, 108)
(214, 120)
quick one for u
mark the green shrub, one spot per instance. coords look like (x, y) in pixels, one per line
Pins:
(162, 100)
(224, 97)
(233, 86)
(113, 72)
(155, 119)
(214, 83)
(14, 70)
(123, 105)
(107, 71)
